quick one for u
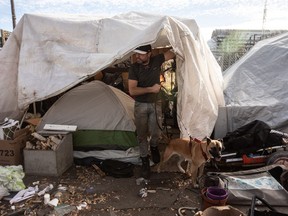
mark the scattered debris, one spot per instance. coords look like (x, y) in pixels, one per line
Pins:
(24, 194)
(98, 170)
(164, 189)
(143, 192)
(46, 198)
(39, 142)
(82, 205)
(63, 209)
(46, 189)
(3, 192)
(141, 180)
(54, 202)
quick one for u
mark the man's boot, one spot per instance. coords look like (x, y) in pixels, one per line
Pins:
(155, 154)
(145, 170)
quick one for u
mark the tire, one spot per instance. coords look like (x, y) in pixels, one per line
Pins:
(280, 157)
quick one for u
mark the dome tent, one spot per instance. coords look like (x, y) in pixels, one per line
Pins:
(255, 88)
(102, 113)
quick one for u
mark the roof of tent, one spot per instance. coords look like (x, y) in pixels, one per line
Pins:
(92, 106)
(255, 87)
(47, 55)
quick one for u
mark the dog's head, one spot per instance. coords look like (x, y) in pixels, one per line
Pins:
(214, 148)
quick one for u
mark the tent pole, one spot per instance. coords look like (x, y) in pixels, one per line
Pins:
(34, 109)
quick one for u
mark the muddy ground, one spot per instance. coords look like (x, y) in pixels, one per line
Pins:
(85, 192)
(168, 192)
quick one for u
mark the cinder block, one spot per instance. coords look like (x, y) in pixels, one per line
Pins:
(49, 162)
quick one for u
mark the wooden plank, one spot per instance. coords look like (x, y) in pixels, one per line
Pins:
(56, 127)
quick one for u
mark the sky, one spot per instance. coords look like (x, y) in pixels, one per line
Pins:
(209, 14)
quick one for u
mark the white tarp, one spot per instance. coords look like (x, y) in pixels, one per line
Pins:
(47, 55)
(255, 87)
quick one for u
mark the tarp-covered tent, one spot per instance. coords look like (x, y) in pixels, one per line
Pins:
(255, 87)
(47, 55)
(103, 115)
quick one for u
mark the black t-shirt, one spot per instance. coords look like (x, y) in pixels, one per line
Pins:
(147, 76)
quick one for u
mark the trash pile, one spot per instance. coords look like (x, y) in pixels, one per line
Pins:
(43, 197)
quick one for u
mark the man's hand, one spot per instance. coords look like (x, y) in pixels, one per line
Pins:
(155, 88)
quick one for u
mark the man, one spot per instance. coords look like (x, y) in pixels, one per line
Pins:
(144, 85)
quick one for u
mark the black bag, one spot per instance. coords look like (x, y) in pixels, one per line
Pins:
(117, 169)
(250, 138)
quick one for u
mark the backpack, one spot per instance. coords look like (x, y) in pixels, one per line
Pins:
(117, 169)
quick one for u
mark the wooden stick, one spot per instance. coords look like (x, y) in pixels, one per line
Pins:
(98, 170)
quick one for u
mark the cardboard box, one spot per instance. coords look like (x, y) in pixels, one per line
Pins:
(49, 162)
(11, 151)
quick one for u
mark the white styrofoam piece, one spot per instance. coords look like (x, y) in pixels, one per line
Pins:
(56, 127)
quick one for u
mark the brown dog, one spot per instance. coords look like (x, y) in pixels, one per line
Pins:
(196, 152)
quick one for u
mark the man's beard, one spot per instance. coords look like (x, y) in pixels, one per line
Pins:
(139, 61)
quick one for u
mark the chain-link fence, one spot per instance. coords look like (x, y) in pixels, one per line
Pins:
(231, 45)
(225, 60)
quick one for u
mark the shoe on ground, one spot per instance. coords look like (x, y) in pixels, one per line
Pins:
(155, 154)
(145, 169)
